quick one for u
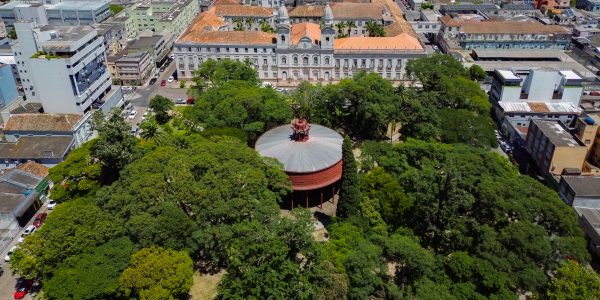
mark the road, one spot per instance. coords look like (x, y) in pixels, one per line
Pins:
(140, 98)
(7, 280)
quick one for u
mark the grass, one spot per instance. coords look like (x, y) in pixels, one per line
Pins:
(205, 286)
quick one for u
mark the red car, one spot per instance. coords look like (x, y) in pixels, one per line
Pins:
(22, 288)
(190, 101)
(39, 219)
(163, 82)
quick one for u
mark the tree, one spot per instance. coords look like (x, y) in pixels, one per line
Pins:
(92, 275)
(242, 105)
(340, 26)
(77, 175)
(477, 73)
(151, 131)
(350, 196)
(157, 270)
(249, 22)
(349, 25)
(463, 126)
(74, 227)
(214, 73)
(114, 146)
(115, 8)
(374, 28)
(265, 26)
(12, 34)
(239, 24)
(386, 192)
(412, 261)
(365, 271)
(161, 106)
(574, 281)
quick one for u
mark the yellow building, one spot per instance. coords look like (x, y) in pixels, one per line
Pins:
(554, 149)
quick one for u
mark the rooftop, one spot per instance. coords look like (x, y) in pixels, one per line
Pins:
(584, 186)
(322, 150)
(228, 37)
(539, 107)
(402, 41)
(243, 11)
(33, 168)
(455, 7)
(307, 11)
(519, 54)
(511, 27)
(310, 30)
(32, 147)
(360, 11)
(508, 75)
(78, 5)
(42, 122)
(18, 191)
(557, 134)
(145, 42)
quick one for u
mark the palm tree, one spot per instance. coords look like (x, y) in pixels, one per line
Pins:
(249, 22)
(374, 28)
(151, 131)
(350, 25)
(340, 28)
(239, 24)
(265, 26)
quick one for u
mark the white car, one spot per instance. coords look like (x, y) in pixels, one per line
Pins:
(132, 114)
(10, 251)
(29, 230)
(51, 204)
(126, 88)
(171, 79)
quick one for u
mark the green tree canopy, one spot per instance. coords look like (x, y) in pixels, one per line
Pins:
(77, 175)
(573, 281)
(213, 72)
(114, 146)
(156, 270)
(92, 275)
(161, 106)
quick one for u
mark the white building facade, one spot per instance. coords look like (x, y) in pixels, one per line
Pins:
(62, 67)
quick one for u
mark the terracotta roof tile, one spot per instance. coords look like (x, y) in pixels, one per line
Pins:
(361, 11)
(510, 27)
(448, 21)
(42, 122)
(228, 37)
(310, 30)
(306, 11)
(206, 21)
(34, 168)
(402, 41)
(242, 11)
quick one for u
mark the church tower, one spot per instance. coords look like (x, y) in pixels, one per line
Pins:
(283, 27)
(327, 32)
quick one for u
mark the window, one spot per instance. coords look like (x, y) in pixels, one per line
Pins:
(327, 38)
(283, 60)
(305, 60)
(326, 60)
(283, 38)
(295, 60)
(315, 60)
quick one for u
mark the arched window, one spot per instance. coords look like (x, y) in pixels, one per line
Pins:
(283, 38)
(284, 60)
(315, 60)
(327, 76)
(326, 60)
(295, 60)
(284, 75)
(305, 60)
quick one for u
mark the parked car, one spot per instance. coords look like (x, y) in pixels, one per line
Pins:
(180, 101)
(39, 219)
(595, 93)
(505, 147)
(163, 68)
(152, 81)
(9, 253)
(127, 88)
(190, 101)
(128, 107)
(29, 230)
(51, 204)
(171, 79)
(23, 287)
(132, 114)
(135, 130)
(163, 82)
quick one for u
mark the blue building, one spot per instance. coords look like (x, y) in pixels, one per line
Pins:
(8, 86)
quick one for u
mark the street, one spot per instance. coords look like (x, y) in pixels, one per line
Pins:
(7, 280)
(140, 97)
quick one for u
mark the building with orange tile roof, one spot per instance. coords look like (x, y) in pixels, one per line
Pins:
(458, 34)
(297, 51)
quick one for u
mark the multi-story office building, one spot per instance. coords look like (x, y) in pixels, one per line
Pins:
(131, 68)
(540, 94)
(554, 149)
(55, 12)
(296, 52)
(62, 67)
(173, 16)
(457, 34)
(157, 45)
(590, 5)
